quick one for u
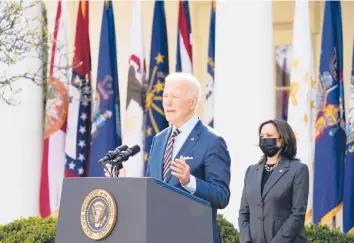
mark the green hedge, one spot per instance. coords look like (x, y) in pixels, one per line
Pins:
(320, 234)
(40, 230)
(29, 230)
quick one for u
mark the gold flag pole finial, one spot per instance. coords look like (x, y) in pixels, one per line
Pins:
(83, 8)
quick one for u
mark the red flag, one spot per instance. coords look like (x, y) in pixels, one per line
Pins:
(55, 119)
(184, 39)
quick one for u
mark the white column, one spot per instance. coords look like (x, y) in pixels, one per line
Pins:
(21, 138)
(244, 85)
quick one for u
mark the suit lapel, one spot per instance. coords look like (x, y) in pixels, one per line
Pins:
(162, 144)
(258, 180)
(277, 173)
(191, 140)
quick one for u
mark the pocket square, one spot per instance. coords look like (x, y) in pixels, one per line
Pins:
(187, 157)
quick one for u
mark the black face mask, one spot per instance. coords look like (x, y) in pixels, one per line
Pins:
(269, 146)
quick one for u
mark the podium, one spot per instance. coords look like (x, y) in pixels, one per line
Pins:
(131, 210)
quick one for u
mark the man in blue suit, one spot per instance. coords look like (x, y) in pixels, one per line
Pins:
(189, 154)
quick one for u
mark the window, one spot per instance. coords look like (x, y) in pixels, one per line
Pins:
(282, 80)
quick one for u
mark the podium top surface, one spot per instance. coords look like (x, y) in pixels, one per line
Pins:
(157, 181)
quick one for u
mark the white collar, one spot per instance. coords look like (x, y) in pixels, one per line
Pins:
(188, 126)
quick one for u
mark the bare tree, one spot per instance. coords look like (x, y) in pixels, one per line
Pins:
(23, 37)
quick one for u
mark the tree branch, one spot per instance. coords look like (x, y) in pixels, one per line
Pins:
(25, 39)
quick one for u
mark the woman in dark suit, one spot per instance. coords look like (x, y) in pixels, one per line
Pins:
(275, 193)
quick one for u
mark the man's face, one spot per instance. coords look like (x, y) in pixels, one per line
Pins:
(178, 106)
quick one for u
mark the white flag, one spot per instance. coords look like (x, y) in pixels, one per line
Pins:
(302, 109)
(134, 125)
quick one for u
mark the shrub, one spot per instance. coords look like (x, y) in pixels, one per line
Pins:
(29, 230)
(315, 234)
(323, 234)
(39, 230)
(228, 233)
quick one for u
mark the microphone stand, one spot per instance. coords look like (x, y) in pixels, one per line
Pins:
(115, 169)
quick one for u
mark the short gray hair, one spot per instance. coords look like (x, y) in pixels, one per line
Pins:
(192, 81)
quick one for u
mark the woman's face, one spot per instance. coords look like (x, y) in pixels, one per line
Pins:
(270, 131)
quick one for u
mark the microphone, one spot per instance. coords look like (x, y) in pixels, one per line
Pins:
(124, 155)
(111, 154)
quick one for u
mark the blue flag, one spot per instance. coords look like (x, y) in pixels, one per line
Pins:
(330, 122)
(209, 89)
(106, 131)
(155, 116)
(348, 190)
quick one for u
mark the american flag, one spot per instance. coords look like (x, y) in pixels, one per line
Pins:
(79, 114)
(78, 129)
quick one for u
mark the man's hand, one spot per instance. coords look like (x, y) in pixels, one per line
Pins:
(181, 170)
(122, 172)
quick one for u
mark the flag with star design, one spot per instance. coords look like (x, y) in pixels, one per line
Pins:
(105, 127)
(301, 104)
(159, 69)
(330, 132)
(77, 140)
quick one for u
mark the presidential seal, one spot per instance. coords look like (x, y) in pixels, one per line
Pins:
(98, 214)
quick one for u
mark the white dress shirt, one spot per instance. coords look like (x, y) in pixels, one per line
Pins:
(185, 129)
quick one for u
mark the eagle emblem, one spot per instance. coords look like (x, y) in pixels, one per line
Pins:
(98, 214)
(135, 88)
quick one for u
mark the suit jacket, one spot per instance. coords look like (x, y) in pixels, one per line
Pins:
(210, 166)
(278, 214)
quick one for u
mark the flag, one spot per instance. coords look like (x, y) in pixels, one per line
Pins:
(184, 39)
(209, 88)
(77, 141)
(283, 94)
(105, 127)
(155, 116)
(330, 123)
(134, 125)
(56, 110)
(348, 188)
(301, 103)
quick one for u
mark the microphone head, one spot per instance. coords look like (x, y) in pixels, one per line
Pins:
(121, 148)
(135, 149)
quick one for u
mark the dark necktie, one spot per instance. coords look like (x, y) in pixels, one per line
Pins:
(167, 159)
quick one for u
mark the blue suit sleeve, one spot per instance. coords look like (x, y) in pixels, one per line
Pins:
(215, 188)
(147, 172)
